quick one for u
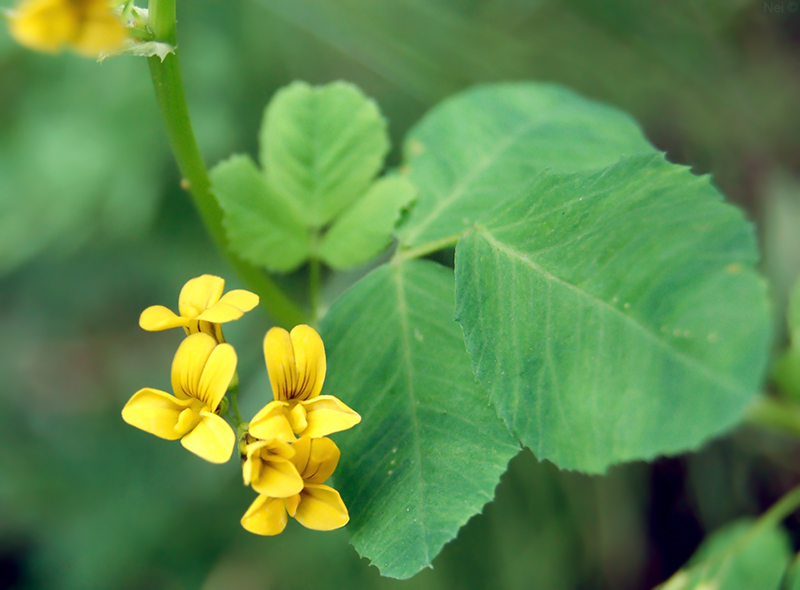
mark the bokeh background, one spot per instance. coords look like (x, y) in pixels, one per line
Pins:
(94, 228)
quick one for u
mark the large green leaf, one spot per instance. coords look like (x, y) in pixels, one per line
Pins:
(429, 450)
(614, 315)
(261, 226)
(740, 556)
(485, 144)
(321, 147)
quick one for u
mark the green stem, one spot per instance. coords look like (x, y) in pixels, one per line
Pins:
(780, 510)
(235, 407)
(425, 249)
(711, 567)
(161, 17)
(233, 394)
(168, 86)
(775, 414)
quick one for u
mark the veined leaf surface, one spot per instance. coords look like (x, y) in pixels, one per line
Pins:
(429, 451)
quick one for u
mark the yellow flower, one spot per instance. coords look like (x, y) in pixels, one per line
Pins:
(88, 27)
(268, 467)
(202, 307)
(315, 506)
(201, 373)
(296, 367)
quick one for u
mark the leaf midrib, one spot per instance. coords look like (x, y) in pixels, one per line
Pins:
(402, 309)
(465, 182)
(686, 360)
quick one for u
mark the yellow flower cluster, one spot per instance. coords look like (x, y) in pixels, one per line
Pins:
(286, 455)
(202, 370)
(90, 28)
(288, 472)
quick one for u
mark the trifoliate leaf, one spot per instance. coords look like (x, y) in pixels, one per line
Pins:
(365, 229)
(321, 147)
(260, 225)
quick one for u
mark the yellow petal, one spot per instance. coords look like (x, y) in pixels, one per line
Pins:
(326, 414)
(309, 356)
(321, 508)
(188, 364)
(281, 449)
(281, 368)
(291, 503)
(231, 307)
(213, 330)
(297, 418)
(188, 419)
(295, 362)
(101, 31)
(44, 25)
(321, 461)
(251, 468)
(212, 439)
(156, 412)
(278, 478)
(266, 516)
(158, 317)
(244, 300)
(302, 453)
(271, 423)
(199, 294)
(217, 375)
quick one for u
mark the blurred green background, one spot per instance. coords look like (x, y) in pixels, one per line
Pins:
(94, 228)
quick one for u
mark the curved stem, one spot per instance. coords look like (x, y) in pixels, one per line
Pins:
(235, 406)
(784, 507)
(401, 255)
(168, 86)
(775, 414)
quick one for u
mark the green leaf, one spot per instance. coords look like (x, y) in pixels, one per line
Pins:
(364, 230)
(615, 315)
(482, 146)
(429, 450)
(260, 225)
(321, 147)
(740, 556)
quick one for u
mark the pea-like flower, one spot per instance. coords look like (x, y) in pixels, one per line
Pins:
(315, 506)
(296, 367)
(201, 373)
(269, 469)
(202, 308)
(88, 27)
